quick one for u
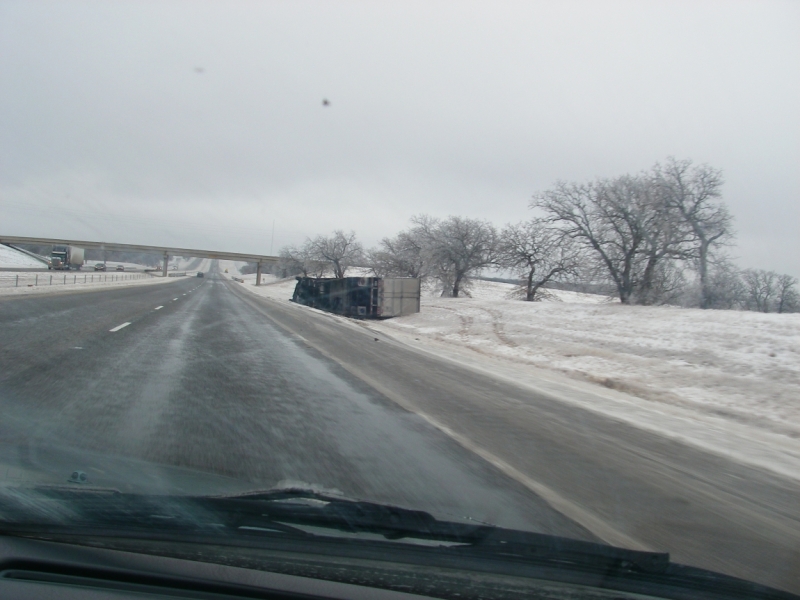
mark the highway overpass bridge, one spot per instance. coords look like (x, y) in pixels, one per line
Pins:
(164, 251)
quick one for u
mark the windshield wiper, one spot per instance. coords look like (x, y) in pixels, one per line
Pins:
(396, 523)
(287, 512)
(281, 519)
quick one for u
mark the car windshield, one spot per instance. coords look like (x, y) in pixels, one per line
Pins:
(525, 265)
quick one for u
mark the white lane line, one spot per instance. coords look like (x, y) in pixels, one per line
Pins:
(158, 308)
(184, 294)
(174, 299)
(118, 327)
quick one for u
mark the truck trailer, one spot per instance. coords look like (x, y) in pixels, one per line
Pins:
(360, 297)
(63, 258)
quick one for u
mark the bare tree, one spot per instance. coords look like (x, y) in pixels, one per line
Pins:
(694, 192)
(298, 261)
(578, 211)
(622, 223)
(455, 248)
(538, 253)
(788, 299)
(290, 263)
(724, 286)
(667, 245)
(401, 256)
(643, 228)
(761, 287)
(341, 251)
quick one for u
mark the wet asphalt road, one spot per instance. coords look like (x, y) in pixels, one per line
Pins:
(205, 383)
(218, 381)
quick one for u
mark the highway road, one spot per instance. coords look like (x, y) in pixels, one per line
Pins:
(200, 377)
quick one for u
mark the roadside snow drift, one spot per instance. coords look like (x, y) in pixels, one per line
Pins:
(744, 366)
(14, 259)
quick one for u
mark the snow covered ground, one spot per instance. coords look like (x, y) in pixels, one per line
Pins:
(727, 381)
(111, 265)
(14, 259)
(232, 268)
(740, 365)
(190, 264)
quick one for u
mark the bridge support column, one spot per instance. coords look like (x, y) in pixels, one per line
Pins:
(166, 264)
(258, 274)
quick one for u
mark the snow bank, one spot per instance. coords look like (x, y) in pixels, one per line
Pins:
(14, 259)
(743, 366)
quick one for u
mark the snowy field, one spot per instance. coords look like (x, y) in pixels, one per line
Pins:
(13, 259)
(727, 381)
(740, 365)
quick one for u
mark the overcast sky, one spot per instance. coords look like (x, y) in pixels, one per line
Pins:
(199, 124)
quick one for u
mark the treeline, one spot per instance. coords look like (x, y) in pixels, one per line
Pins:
(659, 237)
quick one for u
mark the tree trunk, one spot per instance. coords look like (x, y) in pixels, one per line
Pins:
(529, 291)
(625, 285)
(456, 286)
(646, 291)
(702, 267)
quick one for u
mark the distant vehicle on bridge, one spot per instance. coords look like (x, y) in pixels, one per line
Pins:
(100, 267)
(120, 268)
(63, 258)
(200, 274)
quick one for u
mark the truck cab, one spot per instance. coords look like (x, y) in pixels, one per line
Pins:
(66, 257)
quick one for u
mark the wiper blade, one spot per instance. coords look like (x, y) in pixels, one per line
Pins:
(287, 511)
(396, 523)
(312, 508)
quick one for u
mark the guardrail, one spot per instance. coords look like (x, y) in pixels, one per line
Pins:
(45, 279)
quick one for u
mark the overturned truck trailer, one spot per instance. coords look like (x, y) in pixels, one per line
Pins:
(364, 297)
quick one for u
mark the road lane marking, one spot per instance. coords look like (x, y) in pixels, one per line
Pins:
(158, 308)
(118, 327)
(174, 299)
